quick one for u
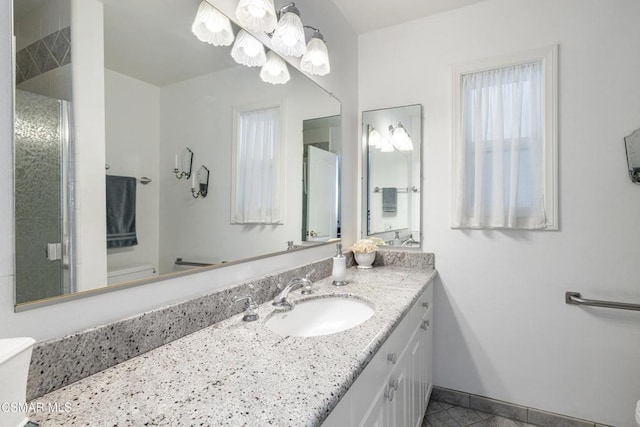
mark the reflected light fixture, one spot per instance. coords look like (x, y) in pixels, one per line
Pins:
(400, 138)
(288, 37)
(375, 139)
(247, 50)
(386, 146)
(316, 59)
(257, 15)
(211, 26)
(275, 70)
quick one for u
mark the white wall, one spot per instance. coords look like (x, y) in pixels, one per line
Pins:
(46, 18)
(132, 117)
(502, 327)
(60, 319)
(198, 113)
(87, 65)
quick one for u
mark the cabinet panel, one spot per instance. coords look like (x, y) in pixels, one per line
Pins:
(394, 388)
(377, 414)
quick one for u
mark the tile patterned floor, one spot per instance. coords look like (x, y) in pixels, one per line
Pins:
(440, 414)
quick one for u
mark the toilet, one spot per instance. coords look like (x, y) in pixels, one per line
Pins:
(15, 356)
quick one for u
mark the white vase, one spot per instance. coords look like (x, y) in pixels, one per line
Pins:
(365, 260)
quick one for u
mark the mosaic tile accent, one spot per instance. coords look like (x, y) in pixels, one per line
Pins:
(83, 354)
(44, 55)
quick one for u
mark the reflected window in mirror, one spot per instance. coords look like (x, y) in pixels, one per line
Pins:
(257, 185)
(139, 107)
(392, 146)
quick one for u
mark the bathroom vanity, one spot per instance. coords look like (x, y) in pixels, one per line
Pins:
(243, 373)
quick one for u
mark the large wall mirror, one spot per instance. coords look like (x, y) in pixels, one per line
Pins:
(392, 141)
(142, 152)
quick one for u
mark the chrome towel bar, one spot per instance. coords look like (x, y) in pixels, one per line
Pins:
(180, 261)
(575, 299)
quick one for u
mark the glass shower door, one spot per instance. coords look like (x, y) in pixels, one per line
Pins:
(41, 141)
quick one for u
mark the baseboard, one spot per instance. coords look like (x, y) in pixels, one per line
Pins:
(508, 410)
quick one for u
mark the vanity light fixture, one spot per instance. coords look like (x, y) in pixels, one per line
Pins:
(257, 15)
(211, 26)
(400, 138)
(316, 59)
(288, 37)
(247, 50)
(275, 70)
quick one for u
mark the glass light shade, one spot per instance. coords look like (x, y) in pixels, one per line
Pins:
(211, 26)
(375, 139)
(386, 146)
(275, 70)
(288, 38)
(257, 15)
(401, 139)
(247, 50)
(316, 59)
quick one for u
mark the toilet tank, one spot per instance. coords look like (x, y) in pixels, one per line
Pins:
(15, 355)
(130, 273)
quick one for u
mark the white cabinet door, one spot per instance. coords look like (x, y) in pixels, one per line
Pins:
(394, 391)
(378, 413)
(400, 413)
(426, 337)
(417, 377)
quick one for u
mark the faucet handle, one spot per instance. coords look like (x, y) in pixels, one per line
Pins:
(307, 283)
(250, 308)
(309, 274)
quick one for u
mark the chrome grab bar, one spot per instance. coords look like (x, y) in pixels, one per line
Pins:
(179, 261)
(574, 298)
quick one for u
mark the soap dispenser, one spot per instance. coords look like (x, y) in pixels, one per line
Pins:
(339, 272)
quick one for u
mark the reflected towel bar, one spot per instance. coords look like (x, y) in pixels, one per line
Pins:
(179, 261)
(400, 189)
(575, 299)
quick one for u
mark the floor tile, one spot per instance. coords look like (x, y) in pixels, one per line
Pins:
(445, 405)
(453, 397)
(464, 416)
(434, 407)
(441, 419)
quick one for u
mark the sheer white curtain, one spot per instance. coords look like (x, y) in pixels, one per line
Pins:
(500, 182)
(257, 189)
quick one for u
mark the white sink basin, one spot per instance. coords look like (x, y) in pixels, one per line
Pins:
(320, 316)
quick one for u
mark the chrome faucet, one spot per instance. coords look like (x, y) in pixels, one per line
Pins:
(250, 308)
(408, 241)
(280, 299)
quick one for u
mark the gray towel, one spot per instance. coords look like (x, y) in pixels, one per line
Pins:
(121, 211)
(390, 199)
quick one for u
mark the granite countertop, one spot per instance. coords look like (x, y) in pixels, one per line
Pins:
(241, 373)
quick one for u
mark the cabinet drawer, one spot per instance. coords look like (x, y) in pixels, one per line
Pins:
(381, 365)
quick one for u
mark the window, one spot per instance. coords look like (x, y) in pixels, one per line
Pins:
(505, 149)
(256, 188)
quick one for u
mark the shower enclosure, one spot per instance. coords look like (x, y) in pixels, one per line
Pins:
(41, 187)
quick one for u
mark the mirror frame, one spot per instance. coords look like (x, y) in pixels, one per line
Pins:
(364, 228)
(30, 305)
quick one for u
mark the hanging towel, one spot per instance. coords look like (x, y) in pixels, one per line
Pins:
(390, 199)
(121, 211)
